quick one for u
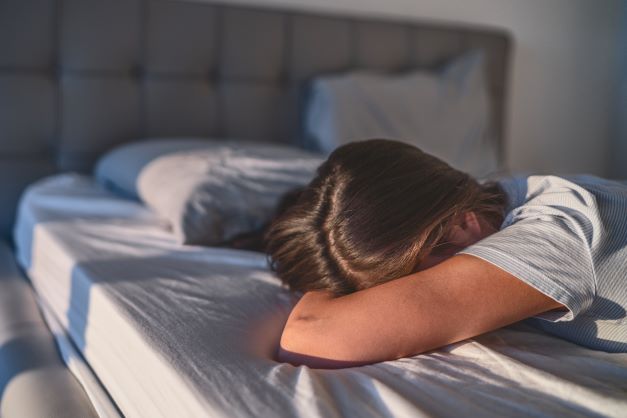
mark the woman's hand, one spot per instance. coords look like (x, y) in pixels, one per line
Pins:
(459, 298)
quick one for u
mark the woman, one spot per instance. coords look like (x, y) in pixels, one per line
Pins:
(398, 253)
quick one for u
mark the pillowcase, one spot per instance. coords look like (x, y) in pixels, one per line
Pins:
(213, 194)
(119, 169)
(446, 114)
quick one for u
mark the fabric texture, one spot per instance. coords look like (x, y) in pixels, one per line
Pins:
(567, 237)
(445, 113)
(213, 194)
(185, 331)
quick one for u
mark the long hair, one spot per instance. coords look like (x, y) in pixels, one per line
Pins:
(374, 211)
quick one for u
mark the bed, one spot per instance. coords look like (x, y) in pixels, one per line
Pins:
(152, 328)
(173, 330)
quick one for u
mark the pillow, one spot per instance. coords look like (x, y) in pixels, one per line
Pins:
(211, 195)
(119, 169)
(446, 114)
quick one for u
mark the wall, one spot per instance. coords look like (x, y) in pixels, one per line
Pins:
(619, 150)
(563, 91)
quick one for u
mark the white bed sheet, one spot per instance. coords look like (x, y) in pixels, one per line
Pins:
(190, 331)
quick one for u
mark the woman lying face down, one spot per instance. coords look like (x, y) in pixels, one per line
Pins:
(373, 243)
(379, 210)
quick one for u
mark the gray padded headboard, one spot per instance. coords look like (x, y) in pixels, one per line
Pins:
(80, 76)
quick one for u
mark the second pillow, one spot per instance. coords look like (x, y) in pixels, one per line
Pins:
(212, 195)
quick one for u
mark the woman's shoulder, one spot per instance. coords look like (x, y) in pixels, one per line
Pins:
(583, 206)
(524, 189)
(573, 191)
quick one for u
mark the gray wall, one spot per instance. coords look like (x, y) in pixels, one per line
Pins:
(619, 150)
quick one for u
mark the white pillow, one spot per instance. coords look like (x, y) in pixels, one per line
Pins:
(446, 114)
(211, 195)
(119, 168)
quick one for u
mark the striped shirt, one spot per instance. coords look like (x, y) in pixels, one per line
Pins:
(567, 237)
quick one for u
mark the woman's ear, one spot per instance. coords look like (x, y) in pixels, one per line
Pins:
(466, 231)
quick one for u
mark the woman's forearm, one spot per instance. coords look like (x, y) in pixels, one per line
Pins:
(457, 299)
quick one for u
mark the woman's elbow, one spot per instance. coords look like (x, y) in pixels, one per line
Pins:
(306, 330)
(296, 340)
(304, 343)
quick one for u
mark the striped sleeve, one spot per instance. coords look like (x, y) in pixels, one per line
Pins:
(551, 254)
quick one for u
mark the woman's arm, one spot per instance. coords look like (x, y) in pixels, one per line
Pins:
(459, 298)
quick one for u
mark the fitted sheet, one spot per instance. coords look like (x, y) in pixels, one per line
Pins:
(74, 361)
(174, 330)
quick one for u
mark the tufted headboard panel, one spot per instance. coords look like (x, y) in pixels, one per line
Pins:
(80, 76)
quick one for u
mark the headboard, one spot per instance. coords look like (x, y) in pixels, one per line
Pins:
(80, 76)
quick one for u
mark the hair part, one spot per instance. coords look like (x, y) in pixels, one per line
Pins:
(374, 211)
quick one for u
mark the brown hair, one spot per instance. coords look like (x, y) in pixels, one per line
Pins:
(374, 211)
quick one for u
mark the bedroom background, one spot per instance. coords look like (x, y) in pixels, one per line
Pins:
(566, 95)
(198, 325)
(565, 101)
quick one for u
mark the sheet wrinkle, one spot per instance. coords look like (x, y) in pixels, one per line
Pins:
(500, 359)
(484, 380)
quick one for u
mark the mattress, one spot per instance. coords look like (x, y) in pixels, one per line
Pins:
(189, 331)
